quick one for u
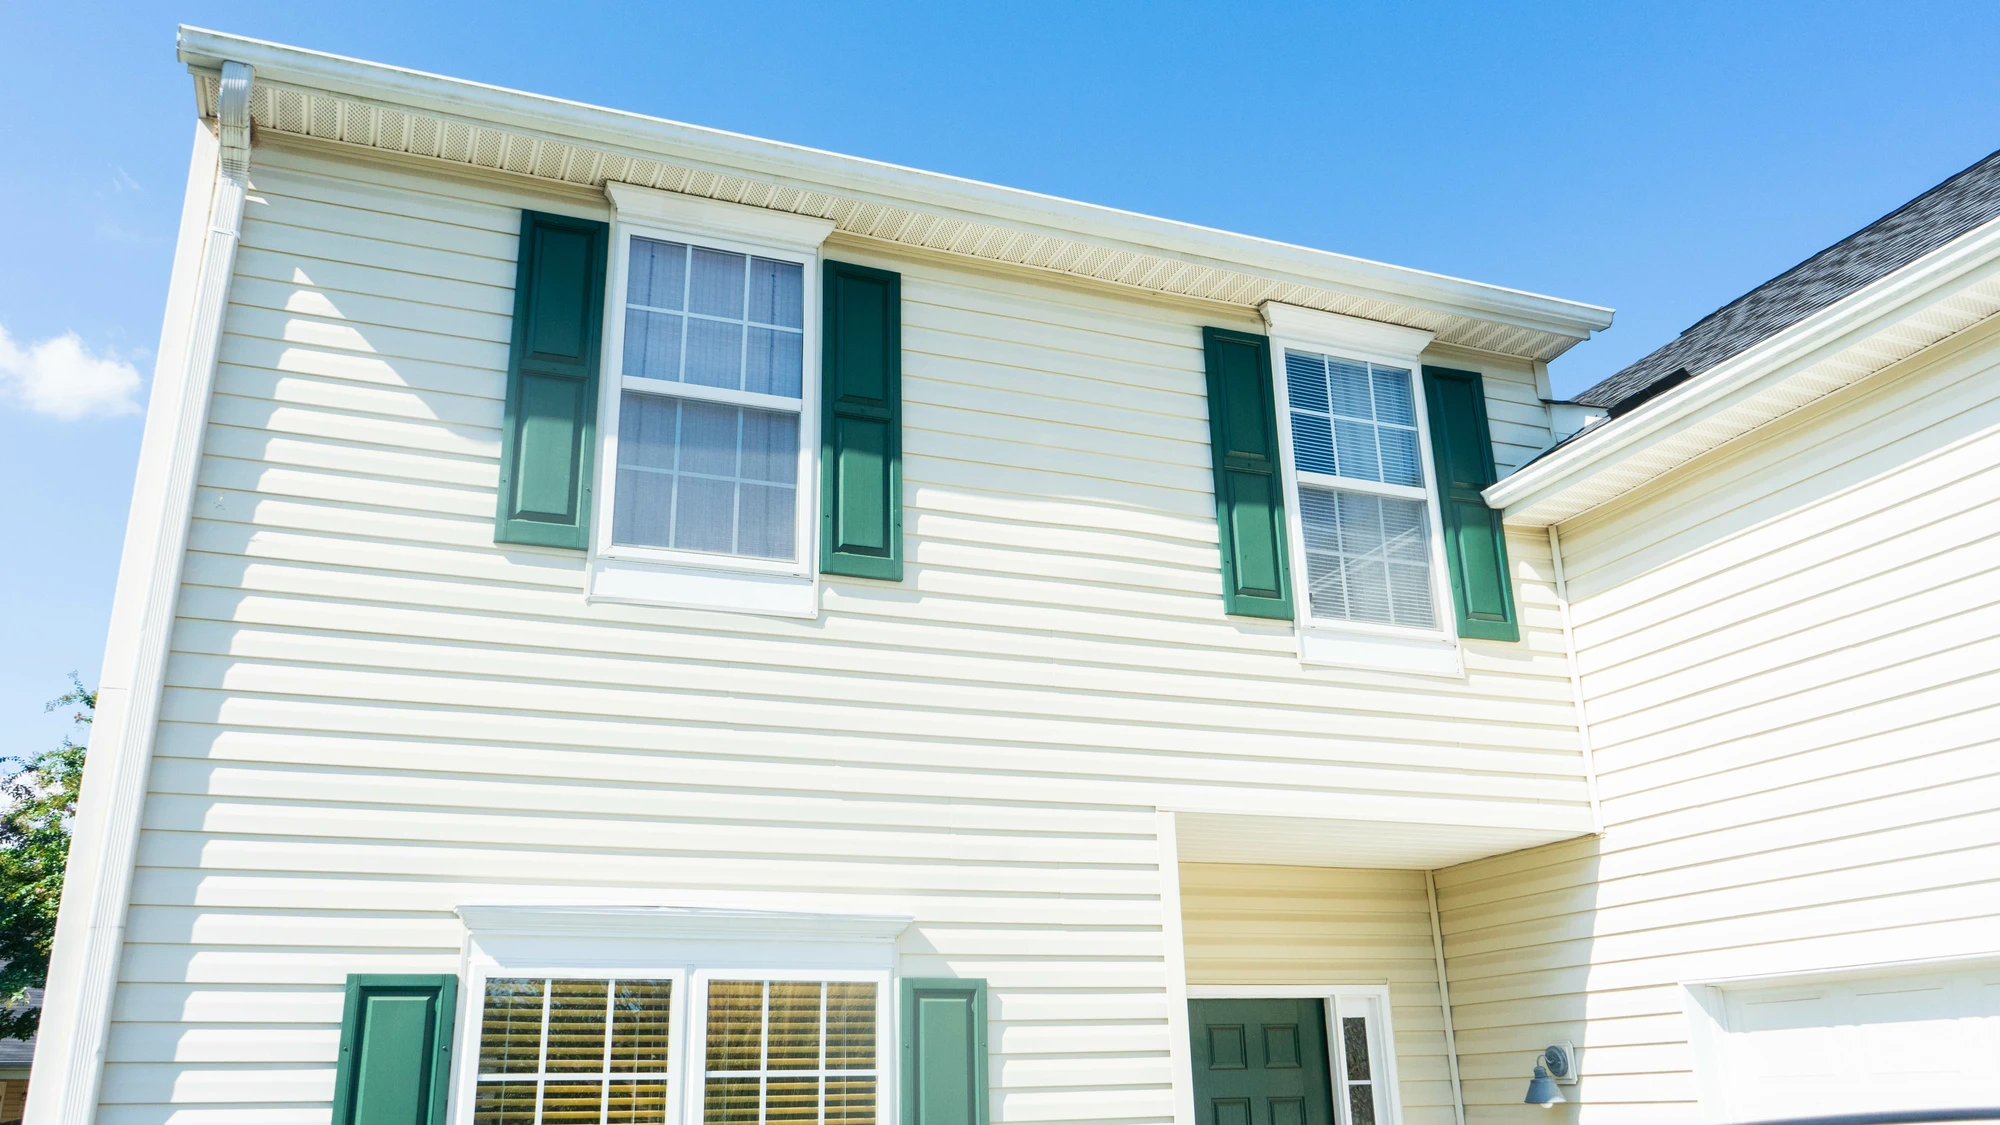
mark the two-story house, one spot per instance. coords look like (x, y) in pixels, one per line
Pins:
(627, 623)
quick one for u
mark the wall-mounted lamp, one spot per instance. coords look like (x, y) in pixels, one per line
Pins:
(1556, 1064)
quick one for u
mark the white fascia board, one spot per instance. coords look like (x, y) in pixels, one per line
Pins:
(814, 169)
(1758, 369)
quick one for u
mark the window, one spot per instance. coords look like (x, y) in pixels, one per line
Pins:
(789, 1052)
(711, 404)
(1359, 1055)
(555, 1051)
(1363, 509)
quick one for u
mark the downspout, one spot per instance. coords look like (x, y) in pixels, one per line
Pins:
(90, 926)
(1444, 999)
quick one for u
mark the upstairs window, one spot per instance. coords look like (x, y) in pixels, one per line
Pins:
(573, 1051)
(1364, 508)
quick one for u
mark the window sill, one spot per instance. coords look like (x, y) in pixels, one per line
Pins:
(642, 583)
(1422, 655)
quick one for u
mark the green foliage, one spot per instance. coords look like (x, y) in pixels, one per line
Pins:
(34, 846)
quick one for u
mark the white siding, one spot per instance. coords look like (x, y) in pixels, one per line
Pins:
(1789, 657)
(373, 714)
(1253, 924)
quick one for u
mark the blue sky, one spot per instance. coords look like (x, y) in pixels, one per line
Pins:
(1658, 158)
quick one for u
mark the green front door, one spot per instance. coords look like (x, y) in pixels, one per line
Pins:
(1260, 1062)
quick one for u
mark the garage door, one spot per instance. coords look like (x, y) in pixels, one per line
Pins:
(1857, 1044)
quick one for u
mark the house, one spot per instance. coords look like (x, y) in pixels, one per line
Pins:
(622, 622)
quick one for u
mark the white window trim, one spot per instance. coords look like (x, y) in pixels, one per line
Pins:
(695, 579)
(1362, 644)
(1368, 1000)
(687, 945)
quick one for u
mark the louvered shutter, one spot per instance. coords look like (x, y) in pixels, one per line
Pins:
(395, 1050)
(1249, 491)
(861, 440)
(1475, 543)
(944, 1052)
(548, 439)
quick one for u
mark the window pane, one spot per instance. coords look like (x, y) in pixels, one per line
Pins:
(735, 1026)
(1355, 443)
(656, 274)
(1399, 457)
(504, 1103)
(637, 1103)
(641, 1012)
(576, 1025)
(652, 344)
(1367, 558)
(510, 1027)
(1305, 381)
(794, 1026)
(1354, 1038)
(715, 353)
(1312, 443)
(730, 1100)
(716, 285)
(1361, 1103)
(850, 1101)
(573, 1103)
(1349, 382)
(850, 1026)
(776, 362)
(791, 1100)
(1393, 401)
(700, 476)
(777, 293)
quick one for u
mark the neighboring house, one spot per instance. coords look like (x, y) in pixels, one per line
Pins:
(17, 1056)
(623, 623)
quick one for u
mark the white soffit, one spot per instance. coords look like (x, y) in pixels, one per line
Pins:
(1920, 305)
(1295, 841)
(321, 97)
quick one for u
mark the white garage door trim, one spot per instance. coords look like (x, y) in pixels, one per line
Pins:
(1727, 1049)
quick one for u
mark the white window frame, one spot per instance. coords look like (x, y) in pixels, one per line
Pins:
(1337, 641)
(1370, 1001)
(700, 579)
(689, 946)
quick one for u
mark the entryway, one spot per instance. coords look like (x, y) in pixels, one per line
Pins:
(1265, 1060)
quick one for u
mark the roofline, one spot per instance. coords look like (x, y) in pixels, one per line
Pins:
(206, 50)
(1543, 491)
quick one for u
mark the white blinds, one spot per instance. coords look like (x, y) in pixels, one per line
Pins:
(1362, 509)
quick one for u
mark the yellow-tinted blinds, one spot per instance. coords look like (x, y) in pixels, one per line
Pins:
(573, 1052)
(790, 1053)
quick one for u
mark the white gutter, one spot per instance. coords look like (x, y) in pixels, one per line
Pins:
(874, 181)
(90, 927)
(1774, 377)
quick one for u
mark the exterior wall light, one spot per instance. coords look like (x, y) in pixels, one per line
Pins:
(1556, 1064)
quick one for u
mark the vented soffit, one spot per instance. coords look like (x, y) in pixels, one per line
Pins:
(385, 109)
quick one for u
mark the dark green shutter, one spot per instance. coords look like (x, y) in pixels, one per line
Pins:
(861, 439)
(395, 1050)
(547, 443)
(944, 1052)
(1475, 544)
(1249, 491)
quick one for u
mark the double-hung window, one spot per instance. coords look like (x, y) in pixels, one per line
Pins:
(710, 421)
(1365, 532)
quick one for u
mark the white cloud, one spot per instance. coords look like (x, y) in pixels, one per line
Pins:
(62, 378)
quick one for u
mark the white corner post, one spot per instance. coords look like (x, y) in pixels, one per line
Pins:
(90, 928)
(1180, 1049)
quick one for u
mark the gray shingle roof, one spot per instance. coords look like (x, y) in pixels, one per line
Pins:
(1966, 200)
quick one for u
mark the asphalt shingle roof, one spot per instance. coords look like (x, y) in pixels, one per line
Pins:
(1954, 207)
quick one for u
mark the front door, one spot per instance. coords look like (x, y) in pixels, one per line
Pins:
(1260, 1062)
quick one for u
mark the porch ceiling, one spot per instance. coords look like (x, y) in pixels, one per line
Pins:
(1314, 842)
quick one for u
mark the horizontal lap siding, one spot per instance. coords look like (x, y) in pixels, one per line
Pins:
(372, 714)
(1789, 659)
(1248, 924)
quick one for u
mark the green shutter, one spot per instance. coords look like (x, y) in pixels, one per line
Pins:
(1249, 490)
(944, 1052)
(1475, 544)
(861, 438)
(395, 1050)
(548, 439)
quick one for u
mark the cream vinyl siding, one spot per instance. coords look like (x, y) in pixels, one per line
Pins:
(373, 714)
(1789, 657)
(1253, 924)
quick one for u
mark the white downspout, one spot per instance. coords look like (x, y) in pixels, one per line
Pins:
(1444, 998)
(90, 926)
(1576, 684)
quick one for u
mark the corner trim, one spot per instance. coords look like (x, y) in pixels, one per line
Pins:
(90, 927)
